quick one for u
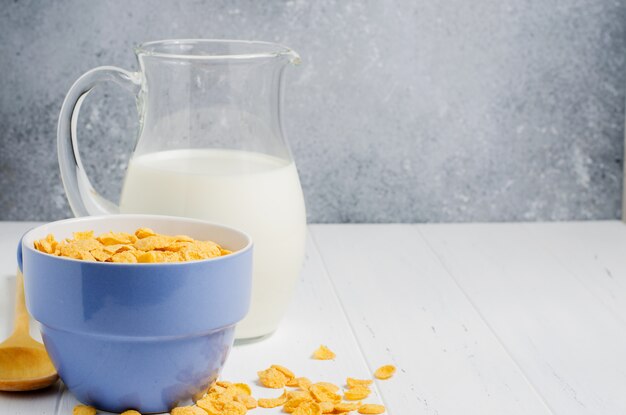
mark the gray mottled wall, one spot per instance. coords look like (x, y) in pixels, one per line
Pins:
(403, 110)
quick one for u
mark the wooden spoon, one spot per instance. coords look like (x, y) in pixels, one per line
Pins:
(24, 362)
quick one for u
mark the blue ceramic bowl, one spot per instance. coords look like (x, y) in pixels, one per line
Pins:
(141, 336)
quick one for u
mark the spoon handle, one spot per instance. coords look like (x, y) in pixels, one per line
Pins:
(21, 315)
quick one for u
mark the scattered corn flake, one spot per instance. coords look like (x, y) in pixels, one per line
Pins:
(323, 353)
(371, 408)
(183, 238)
(178, 246)
(75, 249)
(308, 408)
(150, 243)
(223, 394)
(288, 373)
(248, 401)
(144, 232)
(83, 235)
(200, 250)
(158, 256)
(327, 407)
(100, 254)
(114, 238)
(272, 378)
(330, 386)
(233, 408)
(304, 383)
(137, 253)
(347, 406)
(385, 372)
(57, 249)
(69, 252)
(293, 403)
(114, 249)
(357, 393)
(323, 393)
(297, 394)
(214, 402)
(226, 396)
(216, 388)
(352, 382)
(273, 402)
(192, 254)
(208, 246)
(84, 410)
(210, 406)
(187, 410)
(172, 257)
(241, 389)
(124, 257)
(85, 256)
(47, 245)
(131, 412)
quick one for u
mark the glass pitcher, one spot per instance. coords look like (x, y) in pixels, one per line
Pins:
(211, 146)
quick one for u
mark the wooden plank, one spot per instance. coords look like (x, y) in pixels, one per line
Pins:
(315, 317)
(569, 345)
(406, 310)
(594, 253)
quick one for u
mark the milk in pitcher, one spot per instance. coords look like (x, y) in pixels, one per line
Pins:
(254, 192)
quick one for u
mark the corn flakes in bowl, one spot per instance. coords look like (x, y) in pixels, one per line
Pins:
(136, 311)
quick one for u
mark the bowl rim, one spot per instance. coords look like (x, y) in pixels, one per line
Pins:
(234, 254)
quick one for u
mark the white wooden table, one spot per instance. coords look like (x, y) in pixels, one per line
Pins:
(479, 319)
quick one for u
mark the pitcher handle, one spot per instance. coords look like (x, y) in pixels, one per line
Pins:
(83, 198)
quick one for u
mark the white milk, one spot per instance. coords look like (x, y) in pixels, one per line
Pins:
(256, 193)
